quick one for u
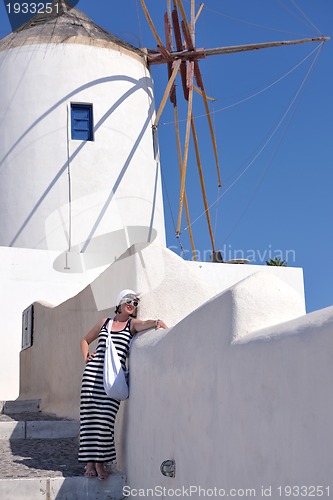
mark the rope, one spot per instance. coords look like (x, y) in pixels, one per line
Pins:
(139, 22)
(211, 84)
(218, 187)
(290, 12)
(243, 21)
(266, 142)
(305, 17)
(317, 48)
(269, 164)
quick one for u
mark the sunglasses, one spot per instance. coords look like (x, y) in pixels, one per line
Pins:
(131, 301)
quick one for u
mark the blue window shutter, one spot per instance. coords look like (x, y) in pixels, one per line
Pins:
(82, 122)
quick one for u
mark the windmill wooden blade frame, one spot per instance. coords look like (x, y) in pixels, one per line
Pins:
(189, 79)
(173, 99)
(179, 45)
(185, 60)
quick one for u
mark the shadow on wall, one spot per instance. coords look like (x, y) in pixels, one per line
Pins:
(234, 414)
(103, 250)
(51, 369)
(137, 85)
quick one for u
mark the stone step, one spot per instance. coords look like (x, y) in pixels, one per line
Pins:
(60, 488)
(39, 458)
(23, 420)
(48, 469)
(20, 406)
(36, 426)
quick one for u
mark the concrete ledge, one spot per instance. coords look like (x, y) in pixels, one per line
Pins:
(48, 429)
(73, 488)
(14, 489)
(39, 429)
(81, 488)
(12, 430)
(17, 406)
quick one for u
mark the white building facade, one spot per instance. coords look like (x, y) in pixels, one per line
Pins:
(79, 170)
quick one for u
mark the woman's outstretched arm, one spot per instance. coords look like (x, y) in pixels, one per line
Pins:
(138, 325)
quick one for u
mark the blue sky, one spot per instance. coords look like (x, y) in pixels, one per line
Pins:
(273, 119)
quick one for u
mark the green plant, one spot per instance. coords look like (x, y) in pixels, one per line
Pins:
(276, 262)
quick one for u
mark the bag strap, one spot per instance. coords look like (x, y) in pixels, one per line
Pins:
(110, 322)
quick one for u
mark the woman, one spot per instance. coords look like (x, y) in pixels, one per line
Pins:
(97, 410)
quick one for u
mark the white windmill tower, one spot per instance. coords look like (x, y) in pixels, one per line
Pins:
(79, 173)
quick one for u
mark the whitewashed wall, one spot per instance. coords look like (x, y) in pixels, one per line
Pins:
(237, 391)
(237, 403)
(225, 275)
(170, 289)
(69, 209)
(51, 369)
(102, 195)
(28, 275)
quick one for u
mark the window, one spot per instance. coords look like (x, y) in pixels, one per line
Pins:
(27, 327)
(82, 122)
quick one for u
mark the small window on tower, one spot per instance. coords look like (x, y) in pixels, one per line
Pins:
(82, 122)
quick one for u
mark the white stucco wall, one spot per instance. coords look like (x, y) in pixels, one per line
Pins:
(51, 369)
(170, 288)
(233, 414)
(28, 275)
(224, 275)
(93, 198)
(54, 193)
(236, 391)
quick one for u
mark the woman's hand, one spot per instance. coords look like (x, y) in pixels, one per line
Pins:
(160, 324)
(90, 356)
(89, 338)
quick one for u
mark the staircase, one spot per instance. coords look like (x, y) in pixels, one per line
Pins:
(38, 458)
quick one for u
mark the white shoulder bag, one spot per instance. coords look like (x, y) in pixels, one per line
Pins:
(115, 384)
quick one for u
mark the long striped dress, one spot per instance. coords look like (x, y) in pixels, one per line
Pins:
(97, 410)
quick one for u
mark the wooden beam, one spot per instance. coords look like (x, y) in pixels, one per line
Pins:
(180, 162)
(153, 29)
(155, 58)
(187, 36)
(190, 68)
(200, 93)
(199, 12)
(198, 78)
(186, 26)
(167, 91)
(192, 22)
(179, 45)
(177, 30)
(202, 182)
(169, 46)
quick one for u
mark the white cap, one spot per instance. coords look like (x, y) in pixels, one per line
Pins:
(123, 294)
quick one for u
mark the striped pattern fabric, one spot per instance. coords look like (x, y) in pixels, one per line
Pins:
(97, 410)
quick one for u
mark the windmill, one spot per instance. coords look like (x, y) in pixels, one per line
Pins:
(182, 57)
